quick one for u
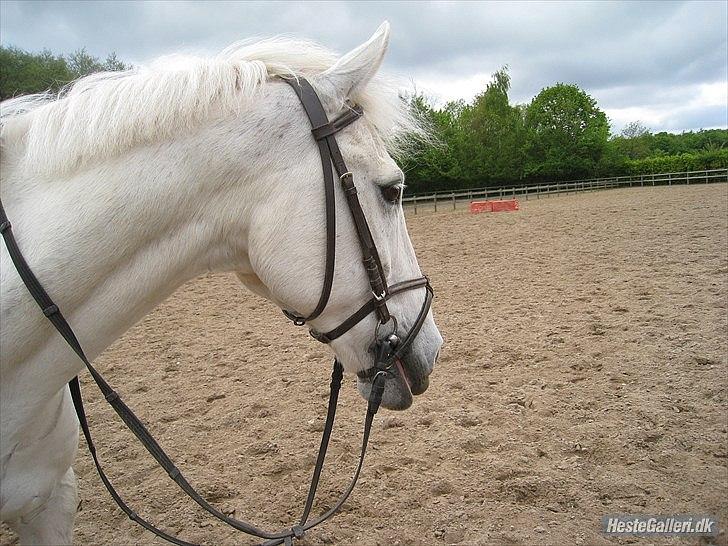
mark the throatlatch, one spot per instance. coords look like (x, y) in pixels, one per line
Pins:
(387, 350)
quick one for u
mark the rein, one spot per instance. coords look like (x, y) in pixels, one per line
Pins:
(387, 350)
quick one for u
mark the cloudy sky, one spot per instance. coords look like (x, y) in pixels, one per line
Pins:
(664, 63)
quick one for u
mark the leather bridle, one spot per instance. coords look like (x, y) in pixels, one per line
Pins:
(324, 132)
(388, 349)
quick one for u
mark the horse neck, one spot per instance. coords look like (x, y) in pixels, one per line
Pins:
(112, 242)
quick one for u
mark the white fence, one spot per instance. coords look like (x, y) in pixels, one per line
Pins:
(451, 199)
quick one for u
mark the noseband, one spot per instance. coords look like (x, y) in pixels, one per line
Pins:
(387, 349)
(324, 132)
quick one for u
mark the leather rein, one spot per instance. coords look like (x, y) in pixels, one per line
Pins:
(387, 349)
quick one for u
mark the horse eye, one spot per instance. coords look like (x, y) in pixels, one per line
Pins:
(392, 193)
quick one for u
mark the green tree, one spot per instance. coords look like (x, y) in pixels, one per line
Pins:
(634, 142)
(497, 130)
(83, 64)
(434, 166)
(22, 73)
(113, 64)
(567, 133)
(688, 142)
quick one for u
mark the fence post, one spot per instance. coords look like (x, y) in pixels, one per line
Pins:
(435, 200)
(687, 176)
(453, 201)
(669, 179)
(415, 204)
(642, 180)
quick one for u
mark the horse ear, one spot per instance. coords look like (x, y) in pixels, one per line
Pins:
(354, 70)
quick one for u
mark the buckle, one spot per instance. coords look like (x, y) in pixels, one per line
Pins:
(380, 297)
(296, 319)
(347, 173)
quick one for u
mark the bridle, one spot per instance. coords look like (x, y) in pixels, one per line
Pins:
(388, 349)
(324, 132)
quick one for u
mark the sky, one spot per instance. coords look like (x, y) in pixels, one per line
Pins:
(662, 63)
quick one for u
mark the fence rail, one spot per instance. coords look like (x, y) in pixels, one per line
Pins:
(454, 198)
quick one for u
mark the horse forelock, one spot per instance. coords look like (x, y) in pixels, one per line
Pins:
(102, 115)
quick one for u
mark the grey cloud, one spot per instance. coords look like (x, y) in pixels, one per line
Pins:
(625, 53)
(709, 117)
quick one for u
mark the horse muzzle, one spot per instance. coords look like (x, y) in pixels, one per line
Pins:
(406, 366)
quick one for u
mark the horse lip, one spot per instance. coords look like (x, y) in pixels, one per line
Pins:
(403, 373)
(417, 379)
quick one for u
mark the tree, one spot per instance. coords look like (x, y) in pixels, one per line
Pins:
(567, 133)
(634, 142)
(83, 64)
(22, 73)
(634, 129)
(497, 129)
(434, 166)
(113, 64)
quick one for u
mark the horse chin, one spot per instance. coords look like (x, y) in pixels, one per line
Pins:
(398, 390)
(397, 395)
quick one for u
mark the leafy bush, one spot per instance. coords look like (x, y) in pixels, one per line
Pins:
(697, 161)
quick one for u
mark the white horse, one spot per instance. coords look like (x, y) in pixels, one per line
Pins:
(130, 184)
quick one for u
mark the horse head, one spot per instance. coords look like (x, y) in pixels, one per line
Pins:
(287, 237)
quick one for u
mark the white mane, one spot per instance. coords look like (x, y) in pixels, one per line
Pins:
(102, 115)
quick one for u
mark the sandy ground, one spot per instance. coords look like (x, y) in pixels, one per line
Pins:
(585, 373)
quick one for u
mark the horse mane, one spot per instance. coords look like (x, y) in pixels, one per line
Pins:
(102, 115)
